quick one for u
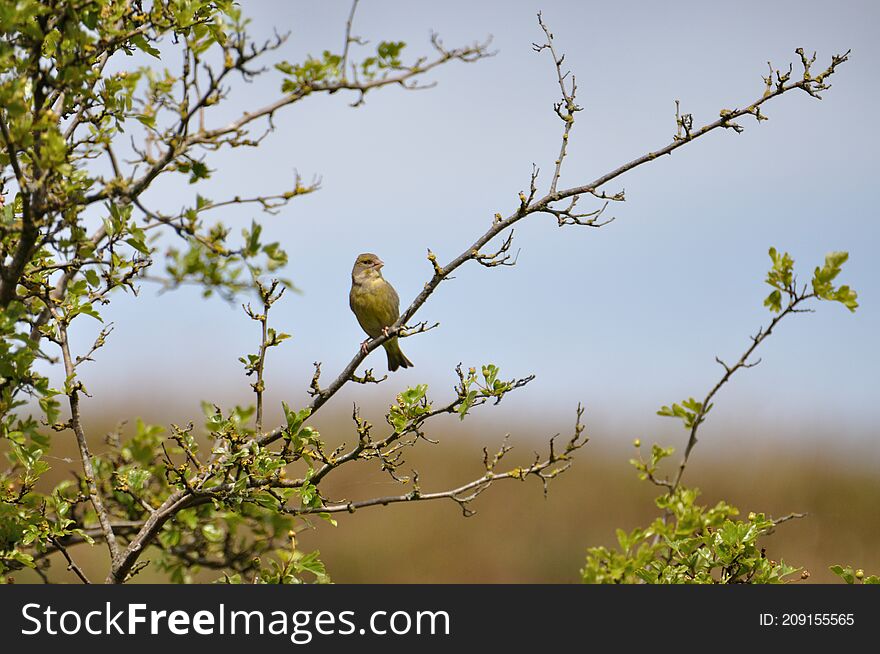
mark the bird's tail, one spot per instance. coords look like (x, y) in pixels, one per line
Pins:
(396, 357)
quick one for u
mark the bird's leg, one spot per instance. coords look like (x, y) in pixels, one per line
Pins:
(364, 346)
(385, 331)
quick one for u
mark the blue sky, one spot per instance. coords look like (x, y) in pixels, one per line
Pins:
(623, 318)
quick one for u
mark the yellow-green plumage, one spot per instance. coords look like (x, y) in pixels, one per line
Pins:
(376, 305)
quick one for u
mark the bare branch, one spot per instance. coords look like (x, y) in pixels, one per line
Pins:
(786, 518)
(545, 469)
(73, 391)
(368, 378)
(11, 272)
(729, 371)
(349, 39)
(500, 257)
(565, 108)
(71, 565)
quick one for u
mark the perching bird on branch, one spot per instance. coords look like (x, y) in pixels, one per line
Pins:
(376, 306)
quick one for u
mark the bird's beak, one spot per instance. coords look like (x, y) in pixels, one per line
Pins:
(378, 264)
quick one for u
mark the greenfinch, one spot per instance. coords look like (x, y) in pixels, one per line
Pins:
(376, 305)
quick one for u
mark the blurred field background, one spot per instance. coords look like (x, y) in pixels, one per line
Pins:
(519, 536)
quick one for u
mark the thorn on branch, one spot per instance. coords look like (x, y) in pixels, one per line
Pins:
(368, 378)
(575, 442)
(727, 123)
(503, 450)
(781, 78)
(468, 54)
(363, 427)
(683, 122)
(314, 388)
(418, 328)
(517, 383)
(811, 84)
(501, 257)
(567, 216)
(620, 196)
(99, 343)
(438, 270)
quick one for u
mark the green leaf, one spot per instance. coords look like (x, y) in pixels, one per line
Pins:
(23, 558)
(847, 297)
(88, 310)
(90, 19)
(50, 43)
(92, 277)
(213, 533)
(311, 563)
(328, 518)
(294, 419)
(147, 119)
(141, 43)
(774, 301)
(136, 478)
(169, 537)
(847, 573)
(138, 244)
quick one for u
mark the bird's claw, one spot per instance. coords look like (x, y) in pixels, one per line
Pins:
(385, 331)
(364, 346)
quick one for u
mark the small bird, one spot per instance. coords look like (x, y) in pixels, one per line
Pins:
(376, 306)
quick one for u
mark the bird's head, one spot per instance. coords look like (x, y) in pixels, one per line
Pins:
(367, 266)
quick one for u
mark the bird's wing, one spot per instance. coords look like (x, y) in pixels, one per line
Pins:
(375, 304)
(395, 301)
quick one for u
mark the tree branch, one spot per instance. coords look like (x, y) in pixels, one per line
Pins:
(543, 205)
(729, 371)
(10, 273)
(544, 469)
(236, 127)
(349, 39)
(76, 425)
(71, 565)
(565, 108)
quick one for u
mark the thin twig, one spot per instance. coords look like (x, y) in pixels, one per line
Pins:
(729, 371)
(348, 38)
(71, 564)
(565, 108)
(85, 454)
